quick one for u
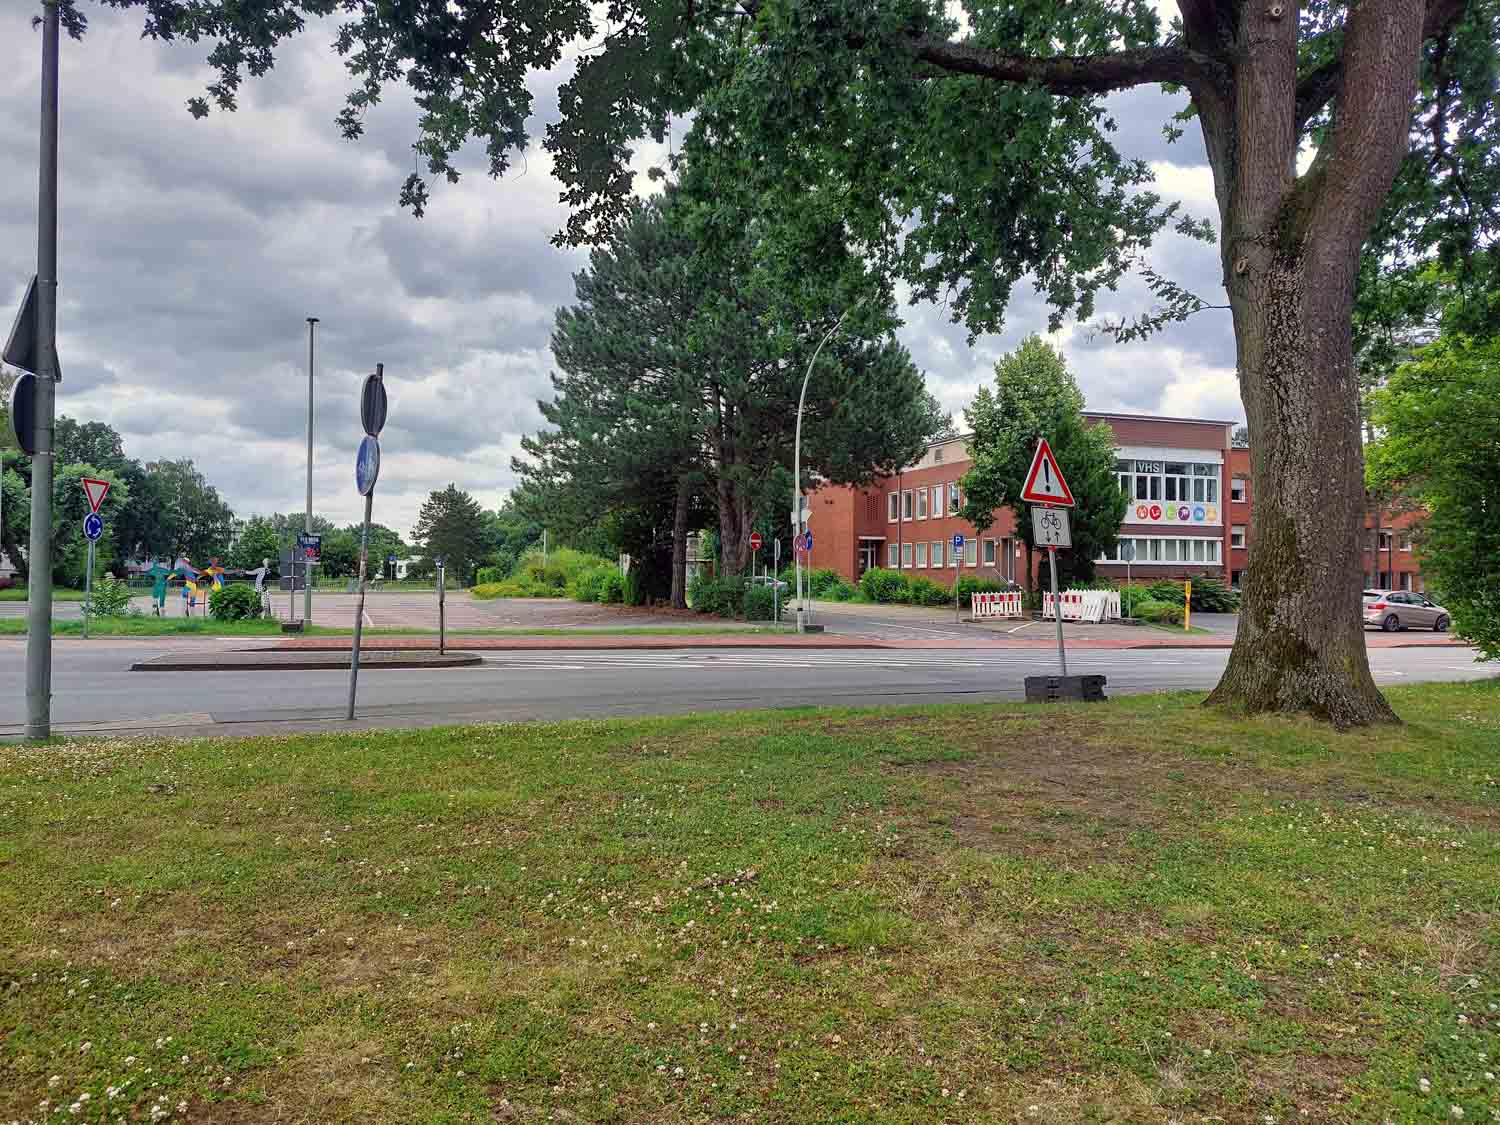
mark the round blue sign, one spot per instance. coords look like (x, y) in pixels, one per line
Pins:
(367, 465)
(93, 526)
(958, 542)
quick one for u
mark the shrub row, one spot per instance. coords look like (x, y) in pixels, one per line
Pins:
(898, 587)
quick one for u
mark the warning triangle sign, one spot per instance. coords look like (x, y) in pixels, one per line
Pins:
(1044, 480)
(95, 490)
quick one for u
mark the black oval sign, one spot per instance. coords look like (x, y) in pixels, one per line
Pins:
(23, 412)
(372, 405)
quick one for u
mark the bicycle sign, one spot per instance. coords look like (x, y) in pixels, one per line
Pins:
(1050, 528)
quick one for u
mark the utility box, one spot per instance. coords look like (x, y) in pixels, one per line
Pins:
(1065, 689)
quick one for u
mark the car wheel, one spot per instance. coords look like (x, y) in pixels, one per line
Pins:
(1440, 625)
(1391, 623)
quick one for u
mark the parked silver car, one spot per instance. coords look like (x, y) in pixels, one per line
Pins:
(1403, 609)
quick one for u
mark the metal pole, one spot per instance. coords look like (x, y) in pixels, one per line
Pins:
(88, 591)
(442, 636)
(307, 524)
(544, 548)
(39, 571)
(1062, 658)
(776, 581)
(797, 456)
(359, 611)
(957, 577)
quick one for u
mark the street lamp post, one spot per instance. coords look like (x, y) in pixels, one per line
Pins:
(39, 571)
(797, 461)
(307, 519)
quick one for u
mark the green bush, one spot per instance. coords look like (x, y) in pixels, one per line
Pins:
(635, 589)
(924, 591)
(840, 591)
(1159, 613)
(588, 585)
(611, 587)
(880, 585)
(819, 581)
(1210, 595)
(488, 575)
(111, 598)
(236, 602)
(1130, 599)
(759, 603)
(1170, 592)
(969, 585)
(724, 597)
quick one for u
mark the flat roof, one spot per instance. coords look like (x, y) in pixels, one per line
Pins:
(1107, 414)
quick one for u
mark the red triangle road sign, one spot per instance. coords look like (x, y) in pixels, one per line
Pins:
(95, 490)
(1044, 481)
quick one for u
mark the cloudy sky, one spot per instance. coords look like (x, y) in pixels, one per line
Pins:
(191, 253)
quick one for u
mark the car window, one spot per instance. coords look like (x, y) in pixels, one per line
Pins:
(1403, 599)
(1372, 595)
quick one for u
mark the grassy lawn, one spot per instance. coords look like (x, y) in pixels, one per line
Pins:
(208, 627)
(1136, 911)
(59, 594)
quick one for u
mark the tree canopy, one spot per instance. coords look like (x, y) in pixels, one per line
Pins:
(1035, 396)
(452, 524)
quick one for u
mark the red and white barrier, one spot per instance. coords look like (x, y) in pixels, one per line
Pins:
(1084, 605)
(1003, 604)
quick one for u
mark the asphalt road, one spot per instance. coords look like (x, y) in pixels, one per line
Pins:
(91, 684)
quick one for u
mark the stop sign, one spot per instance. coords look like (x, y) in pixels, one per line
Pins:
(755, 540)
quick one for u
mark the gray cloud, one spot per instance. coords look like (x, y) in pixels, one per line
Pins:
(191, 252)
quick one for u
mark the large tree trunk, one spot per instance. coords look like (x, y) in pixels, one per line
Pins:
(1301, 644)
(679, 545)
(1291, 245)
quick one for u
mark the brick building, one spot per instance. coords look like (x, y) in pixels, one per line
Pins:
(1188, 516)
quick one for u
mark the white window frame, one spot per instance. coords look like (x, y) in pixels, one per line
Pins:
(906, 504)
(921, 552)
(971, 551)
(921, 503)
(990, 547)
(1237, 535)
(937, 553)
(955, 498)
(893, 555)
(1238, 489)
(1171, 550)
(906, 556)
(1405, 543)
(938, 494)
(892, 507)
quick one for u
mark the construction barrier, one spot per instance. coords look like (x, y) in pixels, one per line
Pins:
(1006, 604)
(1084, 605)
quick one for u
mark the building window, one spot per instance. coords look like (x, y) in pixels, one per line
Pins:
(893, 506)
(937, 453)
(955, 501)
(922, 555)
(989, 552)
(906, 504)
(971, 551)
(906, 552)
(1237, 535)
(1177, 482)
(892, 560)
(937, 552)
(1406, 542)
(1385, 540)
(937, 501)
(1237, 490)
(921, 503)
(1167, 550)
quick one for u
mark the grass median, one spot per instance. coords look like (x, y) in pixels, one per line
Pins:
(208, 627)
(1138, 911)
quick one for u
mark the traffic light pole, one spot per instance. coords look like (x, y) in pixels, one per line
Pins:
(39, 559)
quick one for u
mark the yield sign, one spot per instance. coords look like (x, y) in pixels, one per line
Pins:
(1044, 481)
(96, 490)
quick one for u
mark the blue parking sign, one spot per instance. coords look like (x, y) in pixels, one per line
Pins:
(958, 542)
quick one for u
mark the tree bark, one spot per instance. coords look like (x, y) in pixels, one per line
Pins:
(1291, 247)
(679, 545)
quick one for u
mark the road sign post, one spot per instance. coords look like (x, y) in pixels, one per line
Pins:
(1045, 485)
(93, 527)
(1062, 656)
(958, 561)
(442, 571)
(45, 368)
(372, 410)
(776, 581)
